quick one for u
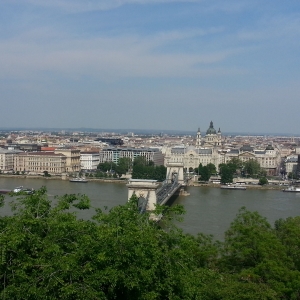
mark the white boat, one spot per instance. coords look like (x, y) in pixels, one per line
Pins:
(292, 189)
(20, 189)
(233, 187)
(78, 179)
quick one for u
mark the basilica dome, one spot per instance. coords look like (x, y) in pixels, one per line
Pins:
(211, 129)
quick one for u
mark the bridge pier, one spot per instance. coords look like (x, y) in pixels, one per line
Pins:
(175, 169)
(144, 188)
(147, 190)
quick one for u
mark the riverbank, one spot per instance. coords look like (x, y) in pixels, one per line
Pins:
(124, 181)
(249, 186)
(111, 180)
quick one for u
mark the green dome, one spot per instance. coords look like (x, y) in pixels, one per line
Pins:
(270, 147)
(211, 129)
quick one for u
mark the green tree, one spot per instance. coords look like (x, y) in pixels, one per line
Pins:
(263, 181)
(123, 166)
(205, 174)
(254, 253)
(211, 168)
(48, 253)
(288, 231)
(107, 166)
(140, 160)
(252, 168)
(226, 172)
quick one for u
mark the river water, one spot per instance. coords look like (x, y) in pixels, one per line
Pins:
(208, 210)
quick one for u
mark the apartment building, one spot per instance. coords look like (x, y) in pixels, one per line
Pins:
(38, 162)
(89, 160)
(113, 154)
(7, 159)
(72, 158)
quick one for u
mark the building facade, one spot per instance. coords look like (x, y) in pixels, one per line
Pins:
(89, 160)
(7, 159)
(39, 162)
(209, 149)
(72, 159)
(113, 154)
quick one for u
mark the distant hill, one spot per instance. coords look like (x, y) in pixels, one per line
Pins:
(138, 131)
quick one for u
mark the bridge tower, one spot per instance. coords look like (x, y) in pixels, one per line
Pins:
(175, 169)
(145, 189)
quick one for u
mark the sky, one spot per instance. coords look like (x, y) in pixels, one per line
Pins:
(151, 64)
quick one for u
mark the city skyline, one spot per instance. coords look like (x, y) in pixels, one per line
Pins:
(153, 65)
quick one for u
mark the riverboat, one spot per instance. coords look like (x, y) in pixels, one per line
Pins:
(233, 187)
(20, 189)
(78, 179)
(292, 189)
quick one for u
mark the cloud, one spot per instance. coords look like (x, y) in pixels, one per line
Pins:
(277, 27)
(108, 58)
(76, 6)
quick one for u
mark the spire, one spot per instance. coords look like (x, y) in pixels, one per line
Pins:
(198, 139)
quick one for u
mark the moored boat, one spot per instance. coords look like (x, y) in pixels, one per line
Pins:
(292, 189)
(233, 187)
(78, 179)
(20, 189)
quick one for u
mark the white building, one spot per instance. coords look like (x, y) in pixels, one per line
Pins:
(89, 160)
(113, 154)
(7, 159)
(291, 163)
(209, 149)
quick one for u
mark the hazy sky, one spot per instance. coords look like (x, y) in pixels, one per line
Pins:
(151, 64)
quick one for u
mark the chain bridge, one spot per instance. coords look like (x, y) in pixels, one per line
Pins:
(151, 193)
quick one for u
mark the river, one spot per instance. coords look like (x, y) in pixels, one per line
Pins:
(208, 210)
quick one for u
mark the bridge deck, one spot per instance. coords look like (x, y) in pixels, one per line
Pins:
(166, 192)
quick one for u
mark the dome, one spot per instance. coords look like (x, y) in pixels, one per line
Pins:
(211, 129)
(270, 147)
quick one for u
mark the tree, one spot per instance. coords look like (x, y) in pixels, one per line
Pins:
(123, 166)
(288, 231)
(252, 167)
(253, 251)
(211, 168)
(107, 166)
(47, 253)
(226, 172)
(140, 160)
(236, 165)
(205, 174)
(263, 181)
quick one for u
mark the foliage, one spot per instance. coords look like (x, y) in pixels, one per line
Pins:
(226, 172)
(254, 253)
(143, 170)
(123, 166)
(288, 231)
(211, 168)
(205, 172)
(48, 253)
(252, 167)
(106, 166)
(263, 181)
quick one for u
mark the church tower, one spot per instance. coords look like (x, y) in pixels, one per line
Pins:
(198, 139)
(219, 141)
(212, 138)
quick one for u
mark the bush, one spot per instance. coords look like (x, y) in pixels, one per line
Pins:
(263, 181)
